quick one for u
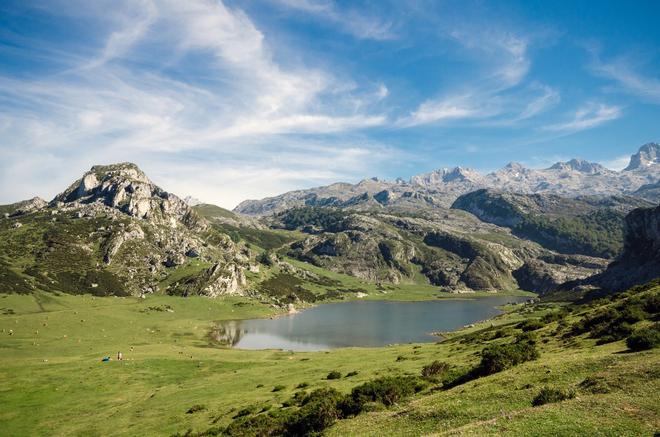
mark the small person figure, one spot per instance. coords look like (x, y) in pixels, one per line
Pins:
(120, 356)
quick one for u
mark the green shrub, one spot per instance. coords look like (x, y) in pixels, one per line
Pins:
(319, 410)
(607, 325)
(261, 425)
(386, 390)
(302, 385)
(497, 358)
(531, 325)
(436, 368)
(196, 409)
(279, 388)
(349, 374)
(334, 375)
(554, 316)
(595, 385)
(644, 339)
(549, 395)
(246, 411)
(266, 258)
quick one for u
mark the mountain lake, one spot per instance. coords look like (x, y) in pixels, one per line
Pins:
(358, 324)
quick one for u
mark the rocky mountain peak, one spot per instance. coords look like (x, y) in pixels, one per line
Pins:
(192, 201)
(648, 155)
(579, 165)
(126, 188)
(460, 173)
(447, 175)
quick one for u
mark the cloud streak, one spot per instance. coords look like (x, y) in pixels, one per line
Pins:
(353, 22)
(630, 81)
(588, 117)
(108, 109)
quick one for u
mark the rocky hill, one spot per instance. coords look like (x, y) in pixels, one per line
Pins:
(115, 232)
(640, 260)
(586, 225)
(442, 187)
(449, 248)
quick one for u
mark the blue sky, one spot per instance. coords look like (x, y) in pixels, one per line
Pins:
(245, 99)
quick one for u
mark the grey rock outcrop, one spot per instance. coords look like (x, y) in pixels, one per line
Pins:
(126, 188)
(647, 156)
(640, 260)
(27, 206)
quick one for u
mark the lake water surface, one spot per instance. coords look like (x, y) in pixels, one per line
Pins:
(358, 323)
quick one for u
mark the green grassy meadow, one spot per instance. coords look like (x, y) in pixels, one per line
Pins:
(172, 379)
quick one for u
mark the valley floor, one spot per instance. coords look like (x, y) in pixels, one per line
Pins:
(52, 380)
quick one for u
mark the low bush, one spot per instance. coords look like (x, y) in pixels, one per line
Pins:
(246, 411)
(321, 408)
(531, 325)
(595, 385)
(436, 368)
(554, 316)
(349, 374)
(549, 395)
(279, 388)
(607, 325)
(261, 425)
(644, 339)
(497, 358)
(334, 375)
(196, 409)
(387, 390)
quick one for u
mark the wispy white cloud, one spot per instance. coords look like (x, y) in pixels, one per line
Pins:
(357, 23)
(624, 71)
(132, 30)
(499, 94)
(249, 109)
(587, 117)
(450, 108)
(548, 98)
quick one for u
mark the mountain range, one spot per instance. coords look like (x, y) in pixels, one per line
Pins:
(114, 232)
(440, 188)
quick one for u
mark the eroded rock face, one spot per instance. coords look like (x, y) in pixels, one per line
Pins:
(547, 273)
(126, 188)
(28, 206)
(114, 243)
(648, 155)
(638, 263)
(640, 260)
(218, 280)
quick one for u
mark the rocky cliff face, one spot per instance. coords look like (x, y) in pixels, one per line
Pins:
(640, 260)
(441, 187)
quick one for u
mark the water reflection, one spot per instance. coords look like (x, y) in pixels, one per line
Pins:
(360, 323)
(226, 333)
